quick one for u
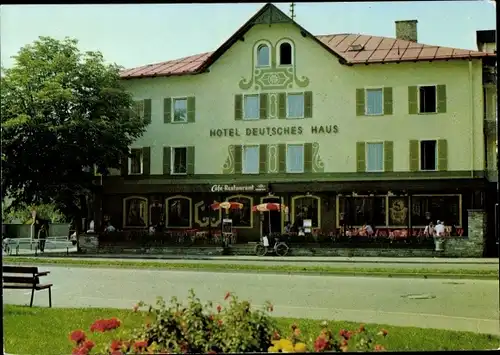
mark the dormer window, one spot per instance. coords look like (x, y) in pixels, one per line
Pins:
(263, 55)
(285, 54)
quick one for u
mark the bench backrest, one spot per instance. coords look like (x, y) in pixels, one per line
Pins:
(25, 275)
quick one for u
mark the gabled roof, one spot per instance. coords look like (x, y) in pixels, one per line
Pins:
(350, 49)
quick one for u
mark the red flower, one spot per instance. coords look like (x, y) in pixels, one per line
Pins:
(320, 344)
(379, 347)
(211, 317)
(140, 345)
(276, 335)
(115, 345)
(228, 294)
(383, 332)
(88, 344)
(361, 328)
(219, 322)
(346, 334)
(77, 336)
(219, 308)
(103, 325)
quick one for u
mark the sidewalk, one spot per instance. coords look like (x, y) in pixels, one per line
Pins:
(286, 259)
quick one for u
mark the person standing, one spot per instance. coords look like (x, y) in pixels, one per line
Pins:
(440, 230)
(42, 237)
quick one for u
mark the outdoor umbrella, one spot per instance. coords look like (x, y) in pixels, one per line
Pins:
(226, 205)
(268, 207)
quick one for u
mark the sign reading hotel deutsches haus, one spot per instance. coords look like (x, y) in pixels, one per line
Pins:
(238, 188)
(272, 131)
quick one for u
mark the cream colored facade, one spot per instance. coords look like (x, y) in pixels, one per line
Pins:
(333, 88)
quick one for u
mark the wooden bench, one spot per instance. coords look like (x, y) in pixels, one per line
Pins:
(25, 278)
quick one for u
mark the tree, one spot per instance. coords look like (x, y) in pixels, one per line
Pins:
(63, 113)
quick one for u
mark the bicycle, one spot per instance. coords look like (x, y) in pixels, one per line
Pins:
(279, 248)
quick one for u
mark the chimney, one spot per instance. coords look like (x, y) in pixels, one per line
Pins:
(407, 30)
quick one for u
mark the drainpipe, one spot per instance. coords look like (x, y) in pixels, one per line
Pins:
(471, 103)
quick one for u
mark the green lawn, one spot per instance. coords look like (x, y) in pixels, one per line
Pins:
(45, 331)
(288, 269)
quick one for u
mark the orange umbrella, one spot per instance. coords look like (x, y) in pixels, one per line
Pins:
(266, 207)
(226, 205)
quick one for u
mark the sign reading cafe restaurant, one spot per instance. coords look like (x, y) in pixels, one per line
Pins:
(238, 188)
(272, 131)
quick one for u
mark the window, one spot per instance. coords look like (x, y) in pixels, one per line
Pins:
(180, 110)
(251, 109)
(428, 156)
(358, 211)
(250, 160)
(374, 156)
(136, 161)
(431, 208)
(285, 53)
(306, 207)
(179, 159)
(178, 212)
(263, 56)
(295, 158)
(295, 106)
(138, 109)
(427, 99)
(374, 102)
(242, 218)
(135, 212)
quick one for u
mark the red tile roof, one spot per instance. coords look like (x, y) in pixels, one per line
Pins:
(367, 50)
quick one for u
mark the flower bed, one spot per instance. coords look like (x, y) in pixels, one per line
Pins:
(229, 328)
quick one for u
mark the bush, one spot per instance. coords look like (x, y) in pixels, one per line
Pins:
(203, 328)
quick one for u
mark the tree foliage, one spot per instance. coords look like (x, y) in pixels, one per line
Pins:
(22, 214)
(64, 112)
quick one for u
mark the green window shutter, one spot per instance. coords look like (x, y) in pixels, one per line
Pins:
(238, 107)
(308, 158)
(414, 161)
(190, 160)
(388, 101)
(282, 105)
(360, 102)
(412, 100)
(167, 110)
(263, 106)
(282, 158)
(263, 159)
(360, 157)
(124, 164)
(147, 111)
(308, 104)
(238, 159)
(166, 160)
(442, 155)
(191, 109)
(441, 98)
(388, 156)
(146, 161)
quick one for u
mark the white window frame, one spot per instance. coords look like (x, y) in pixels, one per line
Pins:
(256, 54)
(303, 158)
(420, 153)
(366, 100)
(243, 147)
(141, 164)
(173, 109)
(304, 105)
(418, 99)
(172, 159)
(278, 52)
(244, 108)
(366, 156)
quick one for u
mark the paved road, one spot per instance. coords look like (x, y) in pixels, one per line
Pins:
(408, 263)
(461, 305)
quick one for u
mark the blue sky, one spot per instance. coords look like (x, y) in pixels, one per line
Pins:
(133, 35)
